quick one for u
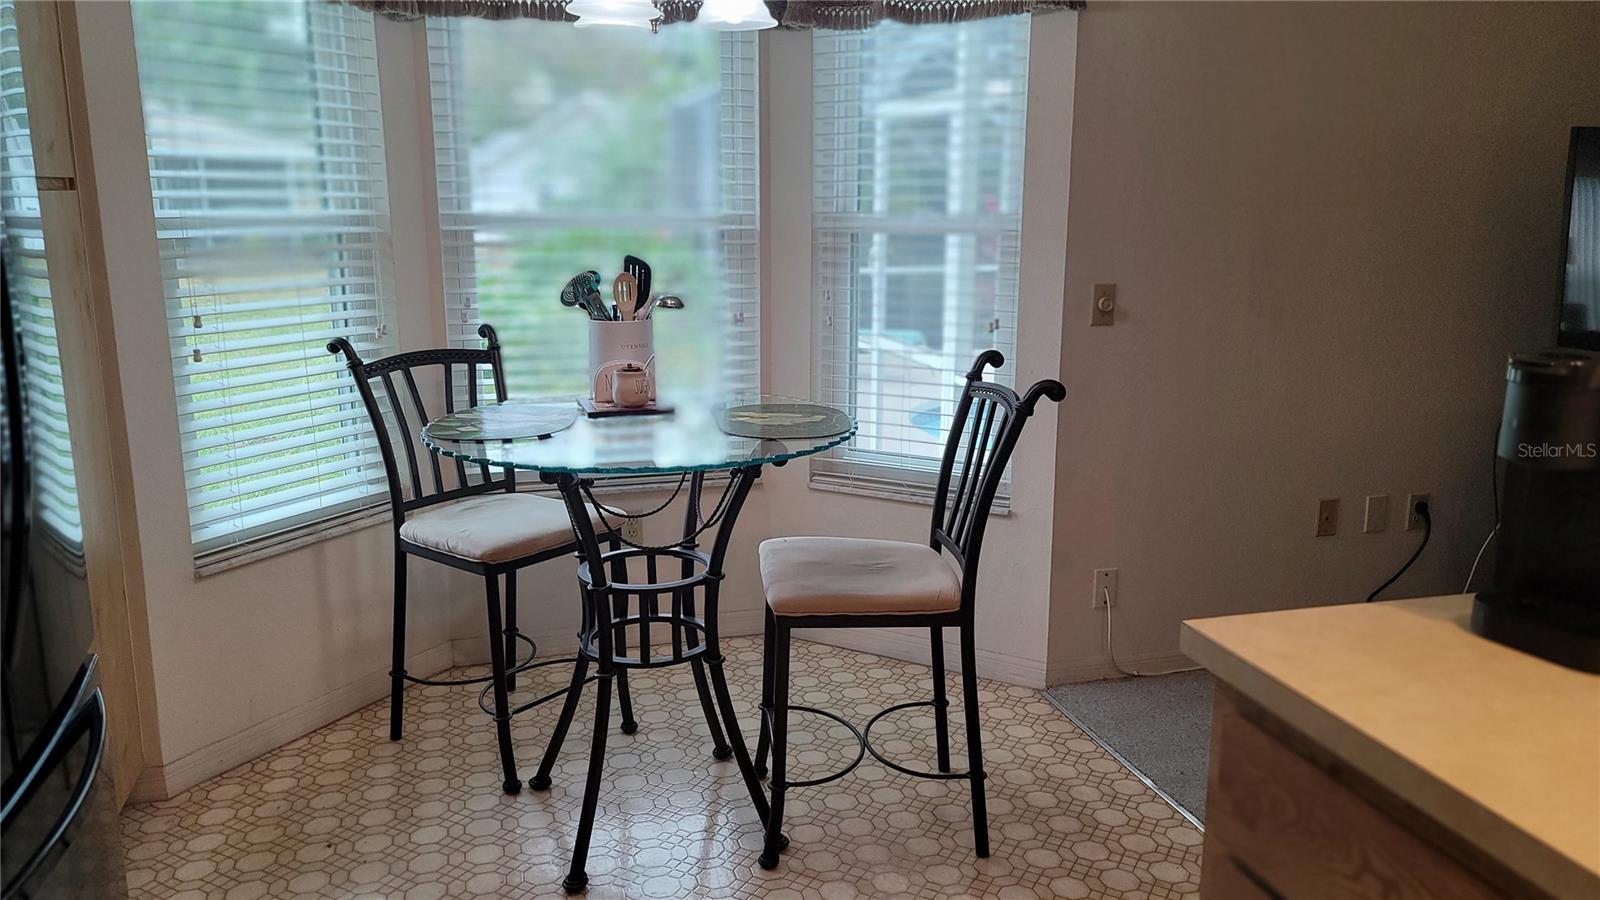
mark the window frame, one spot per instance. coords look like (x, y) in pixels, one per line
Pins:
(300, 521)
(882, 473)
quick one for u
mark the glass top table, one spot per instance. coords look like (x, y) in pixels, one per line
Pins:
(689, 439)
(661, 601)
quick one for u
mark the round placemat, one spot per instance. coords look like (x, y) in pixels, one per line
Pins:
(783, 420)
(502, 422)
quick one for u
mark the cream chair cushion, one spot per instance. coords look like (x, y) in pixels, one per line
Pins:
(832, 576)
(491, 528)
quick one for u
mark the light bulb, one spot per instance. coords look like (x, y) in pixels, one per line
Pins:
(735, 15)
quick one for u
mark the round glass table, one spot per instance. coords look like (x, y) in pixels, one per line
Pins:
(670, 614)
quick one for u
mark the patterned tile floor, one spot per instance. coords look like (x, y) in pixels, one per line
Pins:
(344, 813)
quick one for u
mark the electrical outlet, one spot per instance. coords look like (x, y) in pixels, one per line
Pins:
(1377, 518)
(1105, 588)
(1414, 521)
(633, 530)
(1328, 517)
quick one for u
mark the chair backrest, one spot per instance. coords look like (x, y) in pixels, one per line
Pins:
(405, 413)
(988, 420)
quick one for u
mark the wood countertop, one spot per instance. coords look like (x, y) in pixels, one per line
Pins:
(1497, 746)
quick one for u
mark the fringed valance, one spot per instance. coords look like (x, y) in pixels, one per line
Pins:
(854, 15)
(840, 15)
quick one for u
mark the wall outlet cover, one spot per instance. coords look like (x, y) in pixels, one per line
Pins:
(1328, 517)
(1105, 583)
(1414, 521)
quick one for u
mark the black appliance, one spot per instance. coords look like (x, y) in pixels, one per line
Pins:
(1546, 594)
(58, 821)
(1580, 255)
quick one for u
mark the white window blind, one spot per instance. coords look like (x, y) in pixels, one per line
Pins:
(55, 491)
(266, 164)
(916, 220)
(561, 150)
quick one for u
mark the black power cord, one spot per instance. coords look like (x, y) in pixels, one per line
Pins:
(1421, 509)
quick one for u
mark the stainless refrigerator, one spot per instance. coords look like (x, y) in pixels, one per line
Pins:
(59, 836)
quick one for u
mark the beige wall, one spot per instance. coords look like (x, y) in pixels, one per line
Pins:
(1328, 224)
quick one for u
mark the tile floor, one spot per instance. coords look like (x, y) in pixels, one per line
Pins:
(344, 813)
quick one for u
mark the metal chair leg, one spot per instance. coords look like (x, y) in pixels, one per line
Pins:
(511, 628)
(577, 879)
(502, 705)
(969, 688)
(558, 736)
(397, 661)
(780, 749)
(764, 737)
(941, 706)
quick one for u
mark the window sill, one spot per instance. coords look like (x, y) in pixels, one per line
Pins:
(266, 547)
(271, 545)
(889, 489)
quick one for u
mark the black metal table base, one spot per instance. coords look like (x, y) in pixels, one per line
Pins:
(604, 640)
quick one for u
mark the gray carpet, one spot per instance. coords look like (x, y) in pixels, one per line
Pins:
(1160, 725)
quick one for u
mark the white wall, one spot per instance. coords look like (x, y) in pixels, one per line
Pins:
(1328, 225)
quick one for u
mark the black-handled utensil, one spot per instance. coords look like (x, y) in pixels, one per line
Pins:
(640, 270)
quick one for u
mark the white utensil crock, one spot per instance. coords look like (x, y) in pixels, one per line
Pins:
(620, 342)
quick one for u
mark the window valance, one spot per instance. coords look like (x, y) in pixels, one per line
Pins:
(843, 15)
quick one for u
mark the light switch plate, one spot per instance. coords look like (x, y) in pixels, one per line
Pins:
(1377, 518)
(1328, 517)
(1103, 309)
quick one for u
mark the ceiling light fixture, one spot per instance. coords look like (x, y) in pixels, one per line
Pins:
(735, 15)
(625, 13)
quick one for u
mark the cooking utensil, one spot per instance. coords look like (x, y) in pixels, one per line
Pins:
(584, 291)
(625, 291)
(665, 301)
(640, 270)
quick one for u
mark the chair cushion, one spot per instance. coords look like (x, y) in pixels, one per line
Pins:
(832, 576)
(491, 528)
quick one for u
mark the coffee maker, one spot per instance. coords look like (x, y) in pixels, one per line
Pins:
(1546, 594)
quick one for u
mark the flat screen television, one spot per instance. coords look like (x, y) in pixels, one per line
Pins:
(1580, 258)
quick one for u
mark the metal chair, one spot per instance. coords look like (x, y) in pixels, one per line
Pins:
(483, 526)
(824, 582)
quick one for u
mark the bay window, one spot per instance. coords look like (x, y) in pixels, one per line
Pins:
(555, 150)
(267, 175)
(560, 150)
(916, 227)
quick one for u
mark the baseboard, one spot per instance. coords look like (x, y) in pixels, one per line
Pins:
(1162, 662)
(474, 651)
(913, 646)
(164, 781)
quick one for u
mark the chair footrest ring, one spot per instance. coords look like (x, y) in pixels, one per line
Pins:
(866, 741)
(529, 663)
(861, 748)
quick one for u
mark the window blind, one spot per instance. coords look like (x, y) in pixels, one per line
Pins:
(553, 158)
(266, 165)
(916, 222)
(55, 490)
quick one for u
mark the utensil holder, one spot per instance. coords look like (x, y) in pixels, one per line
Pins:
(627, 341)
